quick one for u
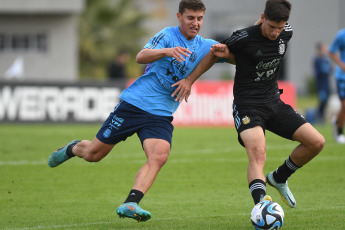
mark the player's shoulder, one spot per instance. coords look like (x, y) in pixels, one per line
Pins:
(287, 27)
(168, 30)
(287, 32)
(341, 33)
(200, 40)
(206, 40)
(239, 36)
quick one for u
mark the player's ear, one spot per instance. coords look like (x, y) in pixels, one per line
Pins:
(178, 16)
(262, 17)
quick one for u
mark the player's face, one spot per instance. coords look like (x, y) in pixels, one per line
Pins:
(190, 22)
(272, 29)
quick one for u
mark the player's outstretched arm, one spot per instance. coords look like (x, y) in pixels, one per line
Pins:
(147, 56)
(184, 86)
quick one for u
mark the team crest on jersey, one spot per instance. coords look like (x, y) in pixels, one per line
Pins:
(192, 57)
(245, 120)
(281, 49)
(107, 133)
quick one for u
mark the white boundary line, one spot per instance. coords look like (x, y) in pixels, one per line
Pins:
(131, 156)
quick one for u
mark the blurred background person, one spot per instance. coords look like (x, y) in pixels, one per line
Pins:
(117, 68)
(322, 70)
(338, 45)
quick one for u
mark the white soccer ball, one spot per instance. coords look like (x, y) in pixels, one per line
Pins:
(267, 215)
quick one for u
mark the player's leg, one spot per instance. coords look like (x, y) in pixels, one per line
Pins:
(90, 151)
(155, 136)
(339, 121)
(312, 142)
(291, 125)
(255, 144)
(157, 152)
(338, 124)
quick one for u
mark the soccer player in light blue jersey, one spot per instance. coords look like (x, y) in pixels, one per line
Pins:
(146, 107)
(338, 44)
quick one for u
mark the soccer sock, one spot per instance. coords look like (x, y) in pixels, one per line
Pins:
(285, 171)
(69, 152)
(134, 196)
(340, 130)
(258, 189)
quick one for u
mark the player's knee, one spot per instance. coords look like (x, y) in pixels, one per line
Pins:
(160, 158)
(318, 144)
(257, 154)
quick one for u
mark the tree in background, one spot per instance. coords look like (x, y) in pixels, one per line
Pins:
(105, 28)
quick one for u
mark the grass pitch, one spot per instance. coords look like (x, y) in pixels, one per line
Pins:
(202, 186)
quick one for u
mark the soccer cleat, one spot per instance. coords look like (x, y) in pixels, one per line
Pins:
(339, 138)
(283, 190)
(266, 197)
(132, 210)
(59, 156)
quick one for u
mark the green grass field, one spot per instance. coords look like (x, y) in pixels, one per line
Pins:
(202, 186)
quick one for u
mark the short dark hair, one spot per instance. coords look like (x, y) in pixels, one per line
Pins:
(277, 10)
(196, 5)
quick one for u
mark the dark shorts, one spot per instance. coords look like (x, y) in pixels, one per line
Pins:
(341, 88)
(277, 117)
(127, 119)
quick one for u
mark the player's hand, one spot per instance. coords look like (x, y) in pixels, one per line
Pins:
(183, 90)
(178, 53)
(220, 50)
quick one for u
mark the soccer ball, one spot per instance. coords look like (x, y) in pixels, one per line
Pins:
(267, 215)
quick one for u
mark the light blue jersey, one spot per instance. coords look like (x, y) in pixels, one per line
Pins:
(152, 91)
(339, 45)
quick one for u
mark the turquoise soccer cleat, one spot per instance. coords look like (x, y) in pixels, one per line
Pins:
(283, 190)
(59, 156)
(132, 210)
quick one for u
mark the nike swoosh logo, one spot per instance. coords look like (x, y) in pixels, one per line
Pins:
(293, 203)
(131, 208)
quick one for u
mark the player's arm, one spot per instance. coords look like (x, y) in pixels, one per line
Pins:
(337, 60)
(222, 51)
(184, 86)
(147, 56)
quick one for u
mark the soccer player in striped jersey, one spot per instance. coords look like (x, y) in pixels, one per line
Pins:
(258, 51)
(146, 107)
